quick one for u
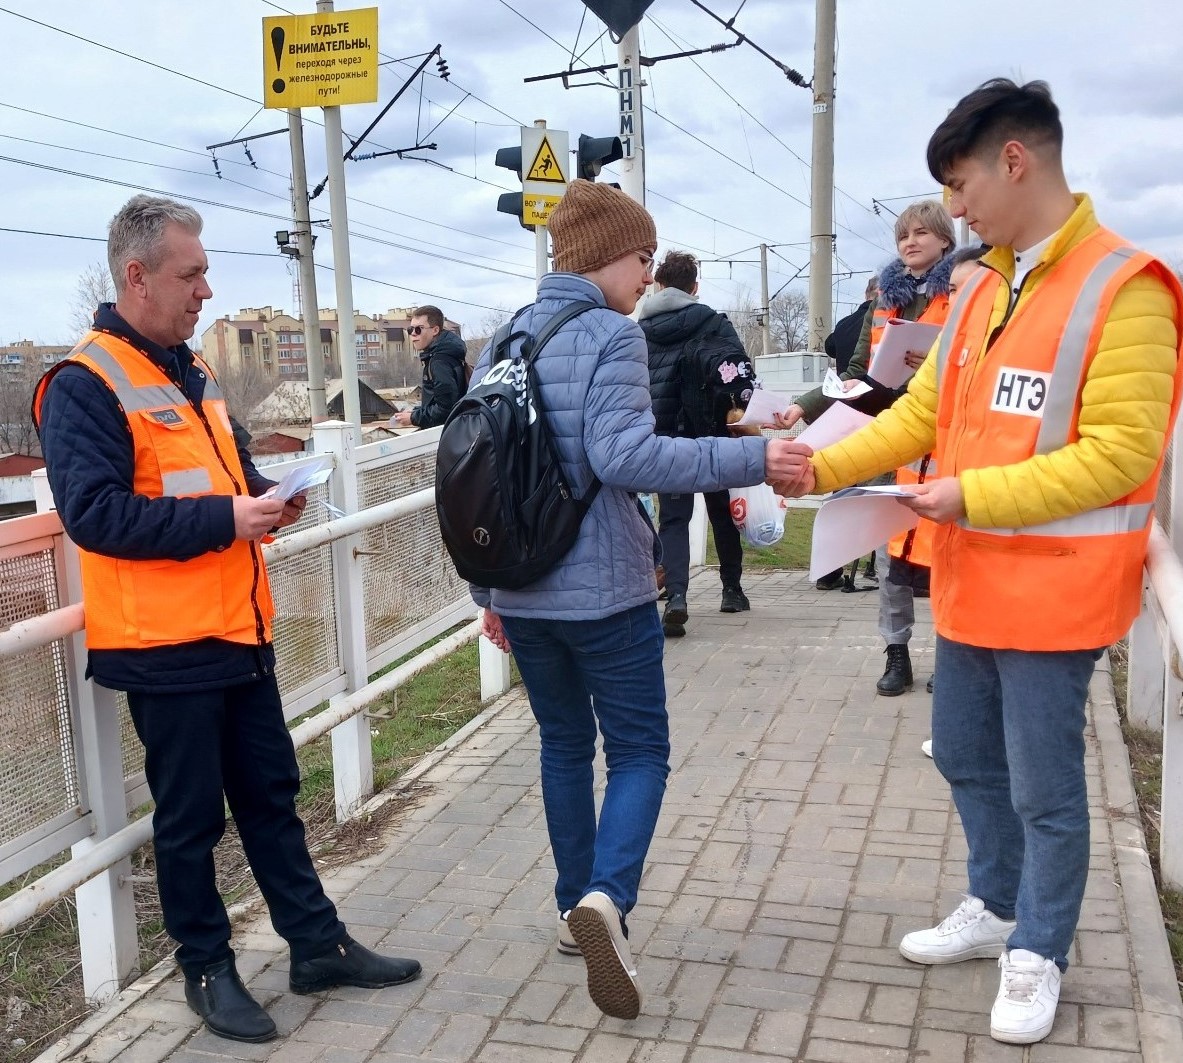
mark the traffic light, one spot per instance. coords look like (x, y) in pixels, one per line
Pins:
(594, 154)
(511, 202)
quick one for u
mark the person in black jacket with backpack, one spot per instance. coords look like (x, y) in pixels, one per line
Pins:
(443, 354)
(672, 318)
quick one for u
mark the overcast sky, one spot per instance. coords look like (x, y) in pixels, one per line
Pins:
(727, 136)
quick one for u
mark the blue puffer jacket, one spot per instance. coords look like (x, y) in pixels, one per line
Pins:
(593, 381)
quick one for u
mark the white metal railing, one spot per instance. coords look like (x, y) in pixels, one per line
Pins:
(353, 594)
(1154, 688)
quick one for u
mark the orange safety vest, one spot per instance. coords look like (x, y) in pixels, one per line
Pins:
(1069, 584)
(180, 452)
(914, 546)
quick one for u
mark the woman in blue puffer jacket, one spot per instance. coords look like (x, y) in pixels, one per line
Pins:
(586, 635)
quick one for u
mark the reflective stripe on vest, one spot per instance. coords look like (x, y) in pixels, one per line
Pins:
(132, 398)
(1108, 520)
(186, 482)
(953, 321)
(1055, 429)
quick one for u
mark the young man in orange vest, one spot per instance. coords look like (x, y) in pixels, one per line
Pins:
(1050, 397)
(152, 480)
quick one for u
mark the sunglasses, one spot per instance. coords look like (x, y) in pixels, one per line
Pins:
(414, 330)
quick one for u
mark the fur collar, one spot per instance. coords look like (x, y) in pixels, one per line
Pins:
(895, 289)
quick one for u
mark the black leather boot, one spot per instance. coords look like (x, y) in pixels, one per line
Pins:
(673, 620)
(898, 676)
(349, 963)
(225, 1006)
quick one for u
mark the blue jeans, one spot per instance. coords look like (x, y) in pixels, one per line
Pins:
(579, 673)
(1008, 735)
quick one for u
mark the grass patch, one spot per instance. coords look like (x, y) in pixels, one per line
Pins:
(791, 552)
(1145, 750)
(41, 994)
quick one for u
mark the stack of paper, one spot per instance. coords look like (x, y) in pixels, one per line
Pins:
(899, 337)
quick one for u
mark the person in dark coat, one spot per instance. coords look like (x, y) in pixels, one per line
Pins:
(442, 353)
(840, 343)
(671, 318)
(153, 483)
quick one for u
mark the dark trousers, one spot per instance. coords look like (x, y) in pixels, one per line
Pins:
(674, 514)
(200, 746)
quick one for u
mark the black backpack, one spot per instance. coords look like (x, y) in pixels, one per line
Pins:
(506, 513)
(716, 375)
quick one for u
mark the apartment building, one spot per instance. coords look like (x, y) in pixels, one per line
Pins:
(273, 341)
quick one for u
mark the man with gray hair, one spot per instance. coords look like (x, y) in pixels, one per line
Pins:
(153, 482)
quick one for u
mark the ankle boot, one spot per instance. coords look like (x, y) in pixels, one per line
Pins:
(897, 678)
(224, 1004)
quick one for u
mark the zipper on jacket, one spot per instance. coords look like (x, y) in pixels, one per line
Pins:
(1012, 306)
(260, 626)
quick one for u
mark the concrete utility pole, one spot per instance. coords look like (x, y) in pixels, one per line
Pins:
(766, 312)
(540, 246)
(822, 189)
(309, 308)
(339, 215)
(632, 135)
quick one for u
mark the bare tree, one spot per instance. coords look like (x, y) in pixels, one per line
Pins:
(245, 385)
(94, 286)
(395, 369)
(17, 382)
(789, 315)
(489, 324)
(745, 317)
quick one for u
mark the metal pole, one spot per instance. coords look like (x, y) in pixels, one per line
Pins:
(540, 247)
(632, 134)
(309, 306)
(339, 214)
(822, 188)
(766, 312)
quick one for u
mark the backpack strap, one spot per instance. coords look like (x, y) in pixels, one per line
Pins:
(505, 335)
(533, 344)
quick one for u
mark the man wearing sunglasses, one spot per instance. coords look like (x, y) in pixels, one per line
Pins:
(442, 353)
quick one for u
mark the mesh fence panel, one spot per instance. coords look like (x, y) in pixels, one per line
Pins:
(1162, 507)
(305, 625)
(38, 777)
(407, 572)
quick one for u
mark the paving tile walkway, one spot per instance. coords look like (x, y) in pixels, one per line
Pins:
(802, 835)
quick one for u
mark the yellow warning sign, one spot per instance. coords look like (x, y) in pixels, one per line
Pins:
(321, 60)
(536, 209)
(545, 166)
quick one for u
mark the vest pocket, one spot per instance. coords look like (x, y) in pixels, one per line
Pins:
(174, 601)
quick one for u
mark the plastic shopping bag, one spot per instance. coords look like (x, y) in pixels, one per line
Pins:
(759, 514)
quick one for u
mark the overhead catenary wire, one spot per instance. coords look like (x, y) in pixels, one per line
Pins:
(261, 254)
(237, 207)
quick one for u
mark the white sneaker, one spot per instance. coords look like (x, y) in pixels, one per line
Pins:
(1028, 993)
(565, 943)
(926, 747)
(970, 933)
(611, 974)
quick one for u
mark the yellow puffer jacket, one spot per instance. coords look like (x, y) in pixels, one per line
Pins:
(1125, 410)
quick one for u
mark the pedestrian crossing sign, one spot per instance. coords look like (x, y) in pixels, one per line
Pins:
(546, 165)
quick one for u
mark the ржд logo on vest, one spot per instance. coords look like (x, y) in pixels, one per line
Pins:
(1020, 391)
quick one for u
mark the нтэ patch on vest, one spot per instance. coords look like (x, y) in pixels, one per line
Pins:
(1020, 391)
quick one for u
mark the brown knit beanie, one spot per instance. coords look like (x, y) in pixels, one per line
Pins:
(596, 224)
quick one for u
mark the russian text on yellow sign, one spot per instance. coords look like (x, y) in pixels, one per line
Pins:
(321, 60)
(546, 165)
(536, 209)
